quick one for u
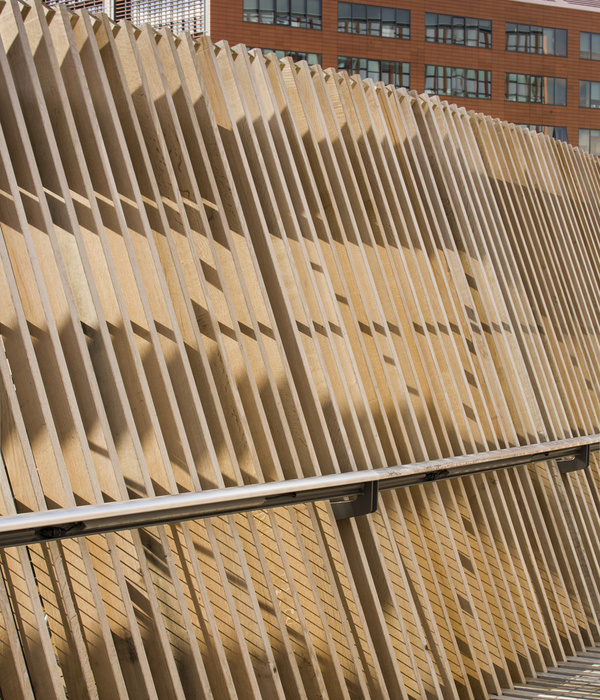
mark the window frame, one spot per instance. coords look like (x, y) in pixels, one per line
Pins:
(528, 86)
(593, 38)
(365, 67)
(531, 38)
(446, 30)
(453, 81)
(368, 20)
(296, 55)
(590, 133)
(588, 88)
(551, 131)
(284, 13)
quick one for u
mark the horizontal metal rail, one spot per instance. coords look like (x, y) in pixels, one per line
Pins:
(363, 486)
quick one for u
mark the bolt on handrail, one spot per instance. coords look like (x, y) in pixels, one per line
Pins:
(29, 528)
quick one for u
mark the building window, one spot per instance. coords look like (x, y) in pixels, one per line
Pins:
(460, 31)
(531, 39)
(589, 140)
(372, 20)
(184, 16)
(390, 72)
(305, 14)
(589, 46)
(535, 88)
(589, 93)
(89, 5)
(556, 132)
(458, 82)
(311, 58)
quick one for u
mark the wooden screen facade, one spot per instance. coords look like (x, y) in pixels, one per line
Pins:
(217, 269)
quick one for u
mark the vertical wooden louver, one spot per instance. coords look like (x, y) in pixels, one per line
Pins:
(218, 269)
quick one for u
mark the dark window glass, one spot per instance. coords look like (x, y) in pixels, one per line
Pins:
(585, 45)
(344, 16)
(283, 12)
(251, 11)
(266, 13)
(313, 13)
(402, 24)
(536, 39)
(584, 139)
(589, 46)
(359, 19)
(458, 31)
(560, 91)
(298, 13)
(444, 35)
(595, 46)
(485, 34)
(430, 27)
(560, 42)
(444, 78)
(375, 70)
(511, 36)
(458, 82)
(558, 132)
(589, 94)
(522, 37)
(430, 79)
(389, 24)
(373, 20)
(390, 72)
(584, 93)
(529, 38)
(472, 32)
(589, 140)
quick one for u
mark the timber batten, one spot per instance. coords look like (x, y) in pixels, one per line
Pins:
(218, 270)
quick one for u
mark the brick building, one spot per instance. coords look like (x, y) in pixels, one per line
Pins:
(533, 62)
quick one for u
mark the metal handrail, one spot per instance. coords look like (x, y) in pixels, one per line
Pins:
(79, 521)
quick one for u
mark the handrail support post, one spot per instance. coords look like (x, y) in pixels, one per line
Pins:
(575, 462)
(363, 504)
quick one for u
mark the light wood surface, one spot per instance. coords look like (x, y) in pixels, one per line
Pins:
(218, 268)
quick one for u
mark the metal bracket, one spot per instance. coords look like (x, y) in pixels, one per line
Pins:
(439, 474)
(580, 460)
(57, 533)
(364, 503)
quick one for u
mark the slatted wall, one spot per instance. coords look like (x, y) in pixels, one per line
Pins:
(217, 269)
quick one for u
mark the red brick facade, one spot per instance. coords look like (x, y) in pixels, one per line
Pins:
(226, 22)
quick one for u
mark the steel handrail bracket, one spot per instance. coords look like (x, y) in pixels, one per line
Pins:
(361, 487)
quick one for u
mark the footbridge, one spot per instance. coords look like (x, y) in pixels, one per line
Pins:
(299, 381)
